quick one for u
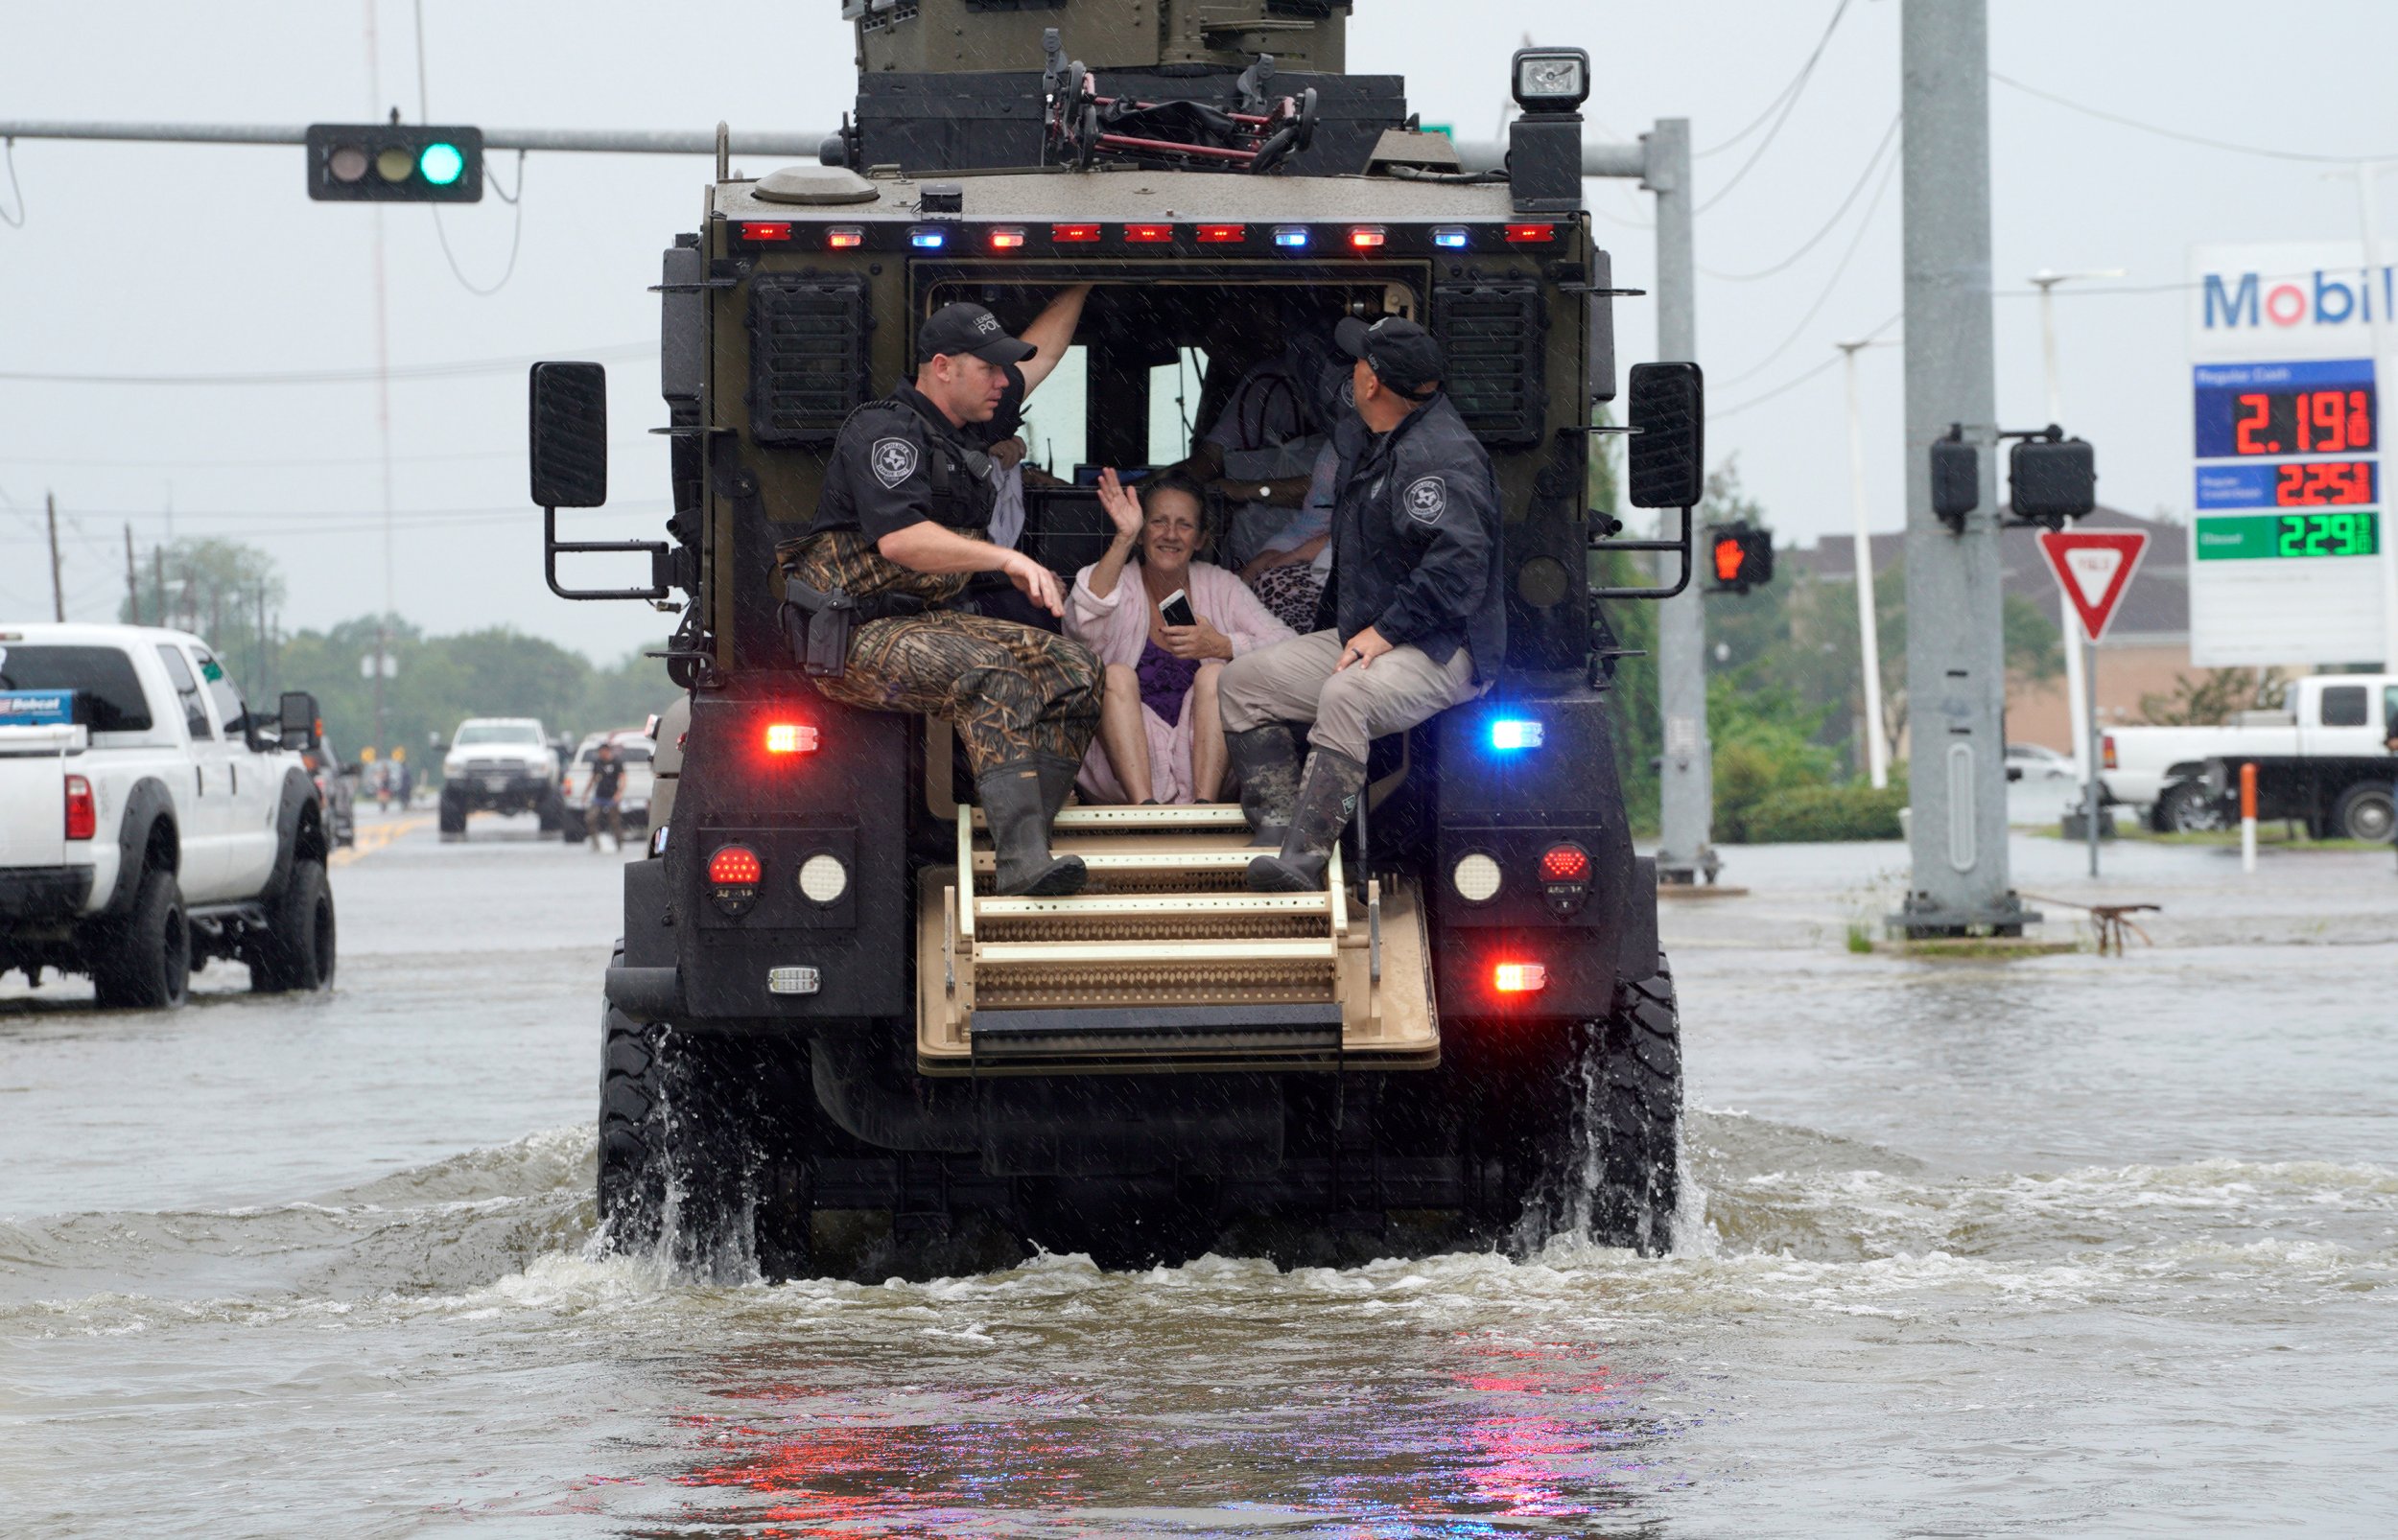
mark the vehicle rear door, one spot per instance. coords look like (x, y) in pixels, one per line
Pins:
(204, 800)
(253, 788)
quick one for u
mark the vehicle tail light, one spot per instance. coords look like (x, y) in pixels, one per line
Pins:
(1007, 240)
(1518, 978)
(1520, 235)
(1149, 234)
(845, 238)
(1564, 878)
(2107, 750)
(734, 873)
(756, 231)
(1219, 234)
(1074, 234)
(791, 738)
(82, 814)
(1366, 238)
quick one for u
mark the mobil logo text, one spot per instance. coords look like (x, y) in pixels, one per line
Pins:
(2325, 296)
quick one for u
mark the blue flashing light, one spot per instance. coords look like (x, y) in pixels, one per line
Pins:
(1290, 237)
(1449, 237)
(928, 240)
(1509, 734)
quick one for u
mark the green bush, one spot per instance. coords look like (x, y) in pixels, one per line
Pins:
(1813, 813)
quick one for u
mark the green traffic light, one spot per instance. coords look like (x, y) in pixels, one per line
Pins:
(441, 164)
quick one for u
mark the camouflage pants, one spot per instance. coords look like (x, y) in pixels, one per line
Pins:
(1012, 692)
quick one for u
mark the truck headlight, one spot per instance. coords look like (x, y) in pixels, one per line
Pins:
(1552, 79)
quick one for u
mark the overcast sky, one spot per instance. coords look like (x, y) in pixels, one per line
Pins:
(199, 259)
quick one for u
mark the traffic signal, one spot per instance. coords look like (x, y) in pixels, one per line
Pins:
(1742, 556)
(2052, 480)
(394, 163)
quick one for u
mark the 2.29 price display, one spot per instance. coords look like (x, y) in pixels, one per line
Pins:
(2323, 482)
(2327, 534)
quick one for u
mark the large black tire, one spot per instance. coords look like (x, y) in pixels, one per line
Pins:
(297, 952)
(2187, 808)
(633, 1131)
(2365, 812)
(551, 808)
(453, 813)
(1629, 1137)
(145, 962)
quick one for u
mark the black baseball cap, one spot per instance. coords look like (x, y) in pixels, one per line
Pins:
(968, 328)
(1402, 354)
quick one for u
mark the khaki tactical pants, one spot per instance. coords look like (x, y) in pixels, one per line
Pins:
(1012, 690)
(1297, 681)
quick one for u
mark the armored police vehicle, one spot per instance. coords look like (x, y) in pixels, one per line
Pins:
(824, 1029)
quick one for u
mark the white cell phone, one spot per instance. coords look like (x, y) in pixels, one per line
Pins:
(1175, 608)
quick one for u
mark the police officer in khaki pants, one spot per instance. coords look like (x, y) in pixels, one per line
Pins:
(902, 523)
(1413, 620)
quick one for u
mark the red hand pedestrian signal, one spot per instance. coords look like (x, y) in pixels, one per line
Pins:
(1742, 556)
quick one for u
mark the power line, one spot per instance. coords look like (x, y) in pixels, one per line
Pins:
(1796, 380)
(1890, 136)
(1797, 83)
(516, 199)
(1855, 242)
(405, 371)
(1797, 89)
(2163, 133)
(516, 453)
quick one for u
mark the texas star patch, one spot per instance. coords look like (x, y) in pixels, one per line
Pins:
(1426, 498)
(894, 460)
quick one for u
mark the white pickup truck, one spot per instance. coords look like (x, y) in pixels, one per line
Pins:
(148, 822)
(2322, 757)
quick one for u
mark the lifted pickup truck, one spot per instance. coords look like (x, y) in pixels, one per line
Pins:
(500, 765)
(149, 821)
(2322, 757)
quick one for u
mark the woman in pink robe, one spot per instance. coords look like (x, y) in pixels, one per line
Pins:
(1160, 736)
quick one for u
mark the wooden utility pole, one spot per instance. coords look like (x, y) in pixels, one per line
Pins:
(58, 593)
(132, 584)
(159, 585)
(262, 640)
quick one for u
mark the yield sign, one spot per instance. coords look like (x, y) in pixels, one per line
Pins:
(2093, 568)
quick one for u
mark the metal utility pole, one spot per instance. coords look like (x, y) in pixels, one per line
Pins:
(1868, 606)
(58, 592)
(158, 583)
(1956, 661)
(132, 584)
(1687, 781)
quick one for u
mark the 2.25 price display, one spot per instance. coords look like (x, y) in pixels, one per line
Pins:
(2324, 483)
(2327, 534)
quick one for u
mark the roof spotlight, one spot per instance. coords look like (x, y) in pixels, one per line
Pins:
(1552, 79)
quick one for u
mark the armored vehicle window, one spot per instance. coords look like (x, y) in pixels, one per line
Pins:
(187, 691)
(107, 692)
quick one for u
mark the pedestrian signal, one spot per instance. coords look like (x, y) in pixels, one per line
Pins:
(1742, 556)
(394, 163)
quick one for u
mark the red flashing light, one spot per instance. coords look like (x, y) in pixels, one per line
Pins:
(844, 238)
(756, 231)
(1007, 240)
(1217, 235)
(735, 866)
(791, 738)
(1565, 863)
(1074, 234)
(82, 814)
(1149, 234)
(1527, 235)
(1366, 238)
(1518, 978)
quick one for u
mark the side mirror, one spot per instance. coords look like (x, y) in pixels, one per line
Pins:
(297, 713)
(569, 431)
(1668, 456)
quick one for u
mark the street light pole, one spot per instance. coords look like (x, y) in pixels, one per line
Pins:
(2080, 702)
(1868, 620)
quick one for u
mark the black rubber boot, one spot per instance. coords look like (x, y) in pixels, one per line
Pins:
(1327, 797)
(1267, 763)
(1020, 832)
(1057, 783)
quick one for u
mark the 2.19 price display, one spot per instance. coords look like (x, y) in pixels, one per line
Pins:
(2244, 417)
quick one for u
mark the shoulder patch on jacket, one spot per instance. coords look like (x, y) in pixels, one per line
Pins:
(893, 458)
(1426, 498)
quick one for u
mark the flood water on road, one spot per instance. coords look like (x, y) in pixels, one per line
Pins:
(2065, 1245)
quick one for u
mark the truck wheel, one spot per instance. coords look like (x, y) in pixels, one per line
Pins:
(571, 826)
(453, 813)
(297, 950)
(145, 962)
(551, 809)
(632, 1131)
(1634, 1130)
(2366, 813)
(2186, 808)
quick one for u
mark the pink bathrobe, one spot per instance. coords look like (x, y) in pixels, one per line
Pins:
(1118, 627)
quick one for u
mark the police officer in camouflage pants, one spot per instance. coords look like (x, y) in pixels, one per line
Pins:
(903, 524)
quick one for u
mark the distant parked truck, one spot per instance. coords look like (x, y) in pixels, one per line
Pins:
(2322, 757)
(501, 764)
(148, 821)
